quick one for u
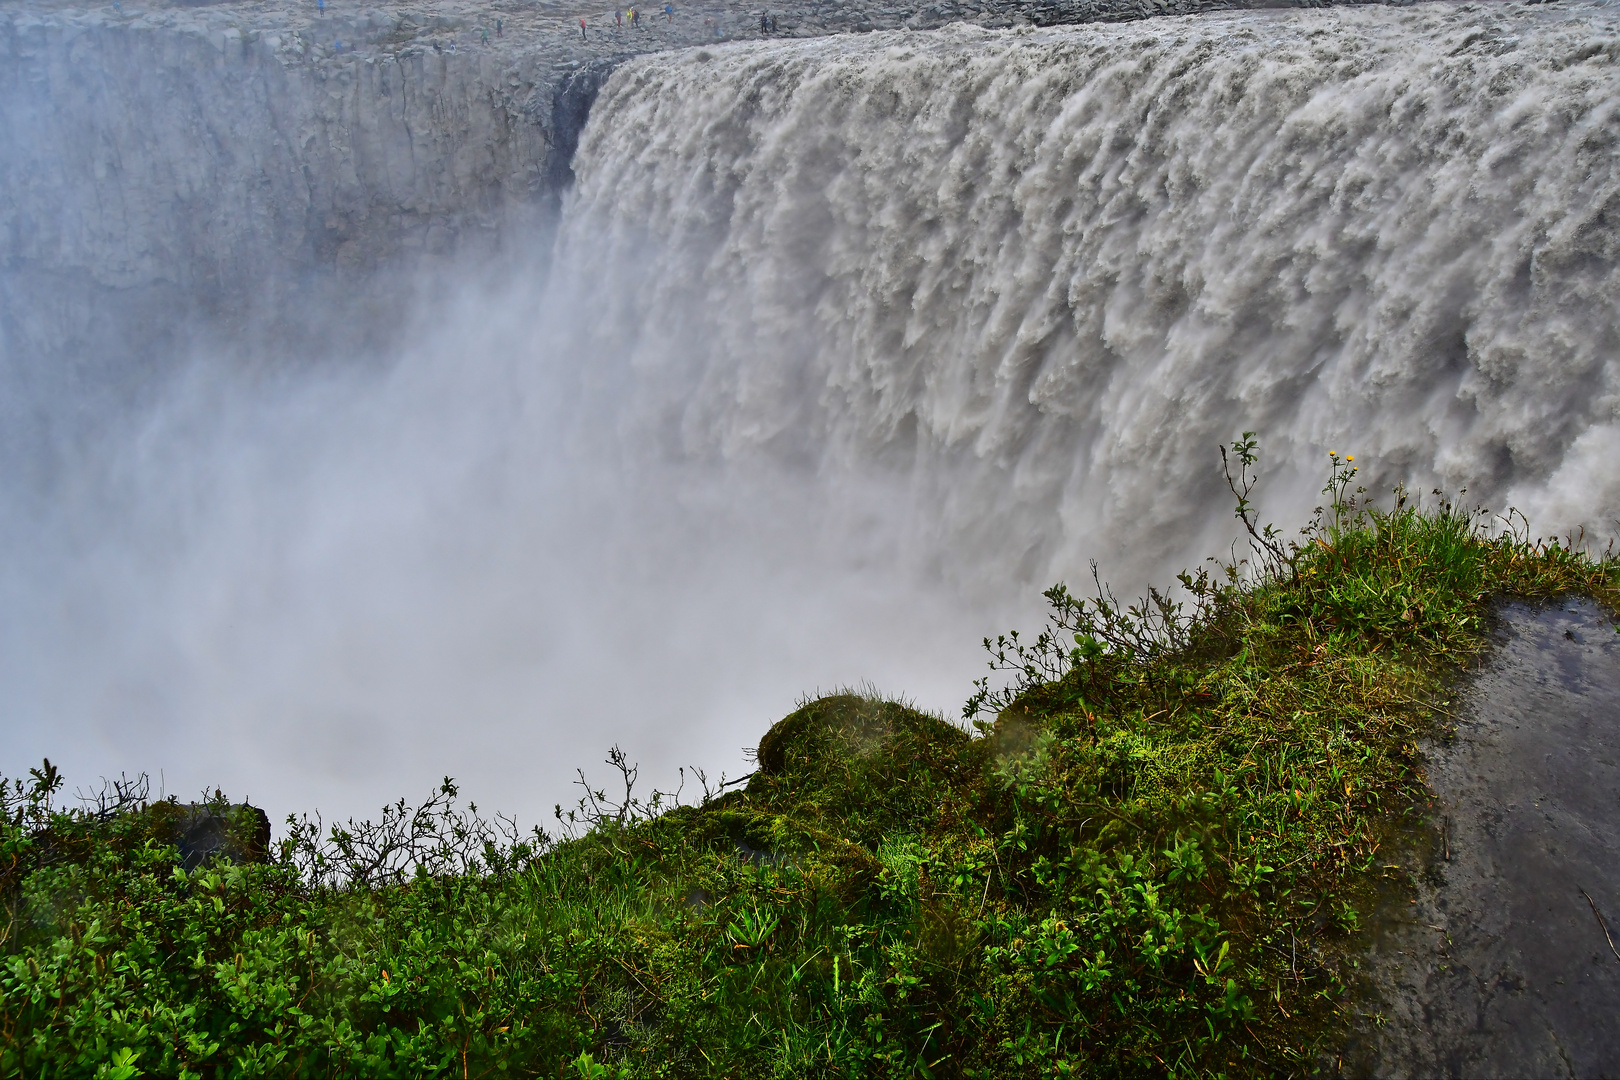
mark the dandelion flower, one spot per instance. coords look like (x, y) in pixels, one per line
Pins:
(1351, 457)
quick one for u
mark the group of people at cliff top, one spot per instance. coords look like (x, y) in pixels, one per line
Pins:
(620, 15)
(767, 21)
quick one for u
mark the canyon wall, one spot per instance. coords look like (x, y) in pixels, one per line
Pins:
(160, 170)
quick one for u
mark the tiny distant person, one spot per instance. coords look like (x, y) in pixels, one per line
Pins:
(618, 18)
(764, 23)
(486, 35)
(669, 13)
(497, 28)
(320, 7)
(773, 24)
(582, 35)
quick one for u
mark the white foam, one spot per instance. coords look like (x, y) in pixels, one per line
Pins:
(1041, 274)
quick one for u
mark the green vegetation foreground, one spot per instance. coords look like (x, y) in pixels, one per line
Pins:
(1149, 862)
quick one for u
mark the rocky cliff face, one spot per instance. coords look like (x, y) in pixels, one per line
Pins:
(184, 166)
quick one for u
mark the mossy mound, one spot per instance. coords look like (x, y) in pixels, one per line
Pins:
(840, 732)
(859, 766)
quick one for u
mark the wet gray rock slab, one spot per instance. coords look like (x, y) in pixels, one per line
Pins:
(1501, 966)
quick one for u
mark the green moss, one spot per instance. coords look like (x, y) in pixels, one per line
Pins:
(1148, 858)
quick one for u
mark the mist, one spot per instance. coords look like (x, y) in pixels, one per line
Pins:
(330, 584)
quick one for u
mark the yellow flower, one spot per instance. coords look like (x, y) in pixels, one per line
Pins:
(1351, 457)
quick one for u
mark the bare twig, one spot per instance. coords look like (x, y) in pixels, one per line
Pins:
(437, 837)
(1601, 924)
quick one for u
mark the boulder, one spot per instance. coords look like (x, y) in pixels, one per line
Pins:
(235, 832)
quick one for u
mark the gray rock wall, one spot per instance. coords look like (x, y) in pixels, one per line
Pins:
(185, 167)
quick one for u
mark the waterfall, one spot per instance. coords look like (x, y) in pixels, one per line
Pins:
(1040, 274)
(841, 350)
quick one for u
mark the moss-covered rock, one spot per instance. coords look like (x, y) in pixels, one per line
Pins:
(841, 731)
(859, 767)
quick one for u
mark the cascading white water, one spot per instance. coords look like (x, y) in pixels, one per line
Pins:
(1040, 274)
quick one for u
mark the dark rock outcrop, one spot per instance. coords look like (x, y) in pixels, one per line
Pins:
(236, 833)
